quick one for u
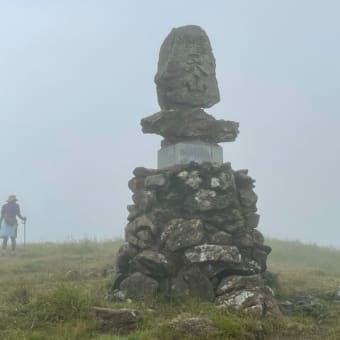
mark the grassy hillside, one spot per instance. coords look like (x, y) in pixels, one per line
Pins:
(47, 291)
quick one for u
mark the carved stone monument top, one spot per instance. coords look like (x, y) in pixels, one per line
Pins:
(186, 70)
(186, 83)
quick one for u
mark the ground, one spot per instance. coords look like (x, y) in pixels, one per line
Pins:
(47, 291)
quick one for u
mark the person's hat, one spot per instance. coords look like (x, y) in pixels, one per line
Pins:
(12, 198)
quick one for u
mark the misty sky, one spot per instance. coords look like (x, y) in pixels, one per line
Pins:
(76, 77)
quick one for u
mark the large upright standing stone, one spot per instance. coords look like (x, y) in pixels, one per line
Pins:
(186, 70)
(192, 227)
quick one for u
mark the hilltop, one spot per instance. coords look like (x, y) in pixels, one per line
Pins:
(48, 290)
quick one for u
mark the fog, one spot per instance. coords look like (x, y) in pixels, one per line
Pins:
(76, 77)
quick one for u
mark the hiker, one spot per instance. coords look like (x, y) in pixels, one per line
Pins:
(9, 223)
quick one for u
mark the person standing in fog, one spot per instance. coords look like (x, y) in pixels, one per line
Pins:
(9, 223)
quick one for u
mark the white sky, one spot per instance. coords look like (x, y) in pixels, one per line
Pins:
(76, 77)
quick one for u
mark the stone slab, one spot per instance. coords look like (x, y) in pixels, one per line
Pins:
(186, 152)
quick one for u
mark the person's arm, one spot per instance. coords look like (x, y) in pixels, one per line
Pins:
(23, 218)
(20, 216)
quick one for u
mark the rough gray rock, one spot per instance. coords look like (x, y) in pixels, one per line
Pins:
(151, 262)
(186, 70)
(255, 299)
(140, 223)
(306, 304)
(195, 125)
(144, 200)
(155, 181)
(181, 234)
(207, 200)
(201, 328)
(213, 253)
(120, 321)
(191, 282)
(125, 253)
(238, 282)
(138, 285)
(221, 237)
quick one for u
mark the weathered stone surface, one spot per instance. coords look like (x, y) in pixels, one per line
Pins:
(248, 198)
(154, 263)
(239, 282)
(155, 181)
(136, 184)
(207, 200)
(191, 178)
(201, 328)
(186, 70)
(143, 172)
(257, 300)
(244, 300)
(306, 303)
(120, 321)
(243, 180)
(181, 234)
(144, 200)
(247, 266)
(195, 124)
(138, 285)
(133, 212)
(213, 253)
(145, 235)
(140, 223)
(252, 220)
(191, 282)
(125, 253)
(221, 237)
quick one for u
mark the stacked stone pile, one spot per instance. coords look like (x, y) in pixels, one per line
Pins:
(192, 227)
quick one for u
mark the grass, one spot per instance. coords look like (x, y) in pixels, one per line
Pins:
(48, 290)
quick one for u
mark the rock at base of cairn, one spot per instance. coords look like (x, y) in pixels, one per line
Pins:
(118, 321)
(192, 232)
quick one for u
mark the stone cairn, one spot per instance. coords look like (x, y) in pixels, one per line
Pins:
(192, 227)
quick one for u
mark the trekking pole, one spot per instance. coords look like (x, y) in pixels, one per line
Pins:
(25, 234)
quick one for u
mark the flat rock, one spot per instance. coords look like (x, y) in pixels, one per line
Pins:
(154, 262)
(186, 70)
(195, 125)
(117, 320)
(194, 327)
(213, 253)
(304, 303)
